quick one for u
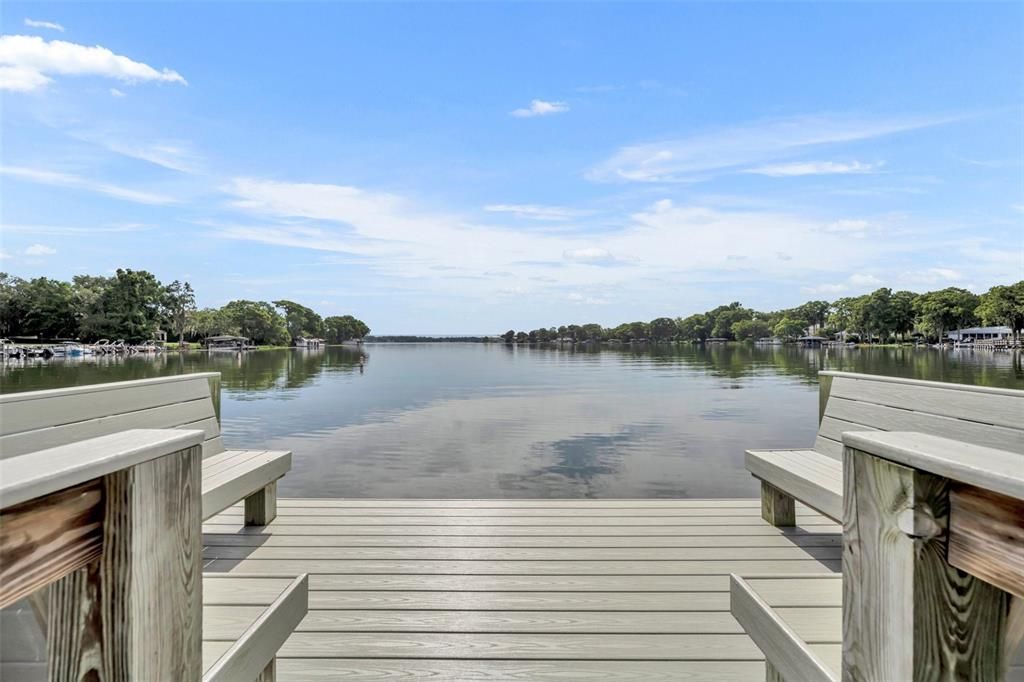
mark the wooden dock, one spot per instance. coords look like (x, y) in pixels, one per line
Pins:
(521, 590)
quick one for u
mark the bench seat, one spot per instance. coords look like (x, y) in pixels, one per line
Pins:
(246, 619)
(233, 475)
(796, 621)
(813, 478)
(848, 402)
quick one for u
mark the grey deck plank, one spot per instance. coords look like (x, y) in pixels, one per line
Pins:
(511, 590)
(374, 670)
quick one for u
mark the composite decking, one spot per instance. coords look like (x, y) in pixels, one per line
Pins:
(523, 590)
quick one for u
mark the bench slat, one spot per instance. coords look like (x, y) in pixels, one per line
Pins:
(801, 479)
(221, 490)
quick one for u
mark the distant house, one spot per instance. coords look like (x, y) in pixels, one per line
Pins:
(811, 341)
(980, 333)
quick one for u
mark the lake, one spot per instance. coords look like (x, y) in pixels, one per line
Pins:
(458, 420)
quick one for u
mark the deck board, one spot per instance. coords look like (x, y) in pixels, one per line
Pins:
(520, 590)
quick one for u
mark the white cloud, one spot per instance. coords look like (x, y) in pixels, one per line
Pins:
(783, 170)
(849, 227)
(536, 212)
(114, 92)
(40, 250)
(25, 62)
(865, 281)
(727, 149)
(932, 276)
(586, 300)
(592, 255)
(35, 23)
(4, 255)
(169, 155)
(47, 177)
(75, 230)
(539, 107)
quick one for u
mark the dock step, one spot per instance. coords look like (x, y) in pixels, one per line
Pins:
(246, 619)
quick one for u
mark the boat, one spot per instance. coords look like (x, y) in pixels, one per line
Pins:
(72, 349)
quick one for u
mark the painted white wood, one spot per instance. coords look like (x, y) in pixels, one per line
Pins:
(260, 641)
(31, 410)
(998, 406)
(858, 415)
(40, 473)
(996, 470)
(40, 420)
(812, 478)
(783, 648)
(250, 474)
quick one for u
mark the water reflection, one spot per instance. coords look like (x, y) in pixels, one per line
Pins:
(453, 420)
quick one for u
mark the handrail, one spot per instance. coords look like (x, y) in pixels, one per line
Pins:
(925, 383)
(996, 470)
(37, 474)
(108, 386)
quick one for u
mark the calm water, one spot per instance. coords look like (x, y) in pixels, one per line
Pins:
(473, 420)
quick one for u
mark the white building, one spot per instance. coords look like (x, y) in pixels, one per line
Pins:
(980, 333)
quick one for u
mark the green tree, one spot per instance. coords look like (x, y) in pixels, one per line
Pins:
(13, 306)
(257, 320)
(788, 328)
(1004, 305)
(509, 336)
(129, 306)
(338, 329)
(300, 320)
(724, 317)
(211, 322)
(950, 308)
(179, 304)
(751, 330)
(49, 309)
(903, 312)
(694, 328)
(663, 329)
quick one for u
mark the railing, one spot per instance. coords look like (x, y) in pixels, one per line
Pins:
(933, 558)
(104, 536)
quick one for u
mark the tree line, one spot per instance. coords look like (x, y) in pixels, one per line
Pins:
(883, 315)
(133, 304)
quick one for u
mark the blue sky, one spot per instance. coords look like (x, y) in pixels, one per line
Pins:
(466, 168)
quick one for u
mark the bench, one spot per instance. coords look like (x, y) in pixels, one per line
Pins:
(103, 538)
(37, 420)
(246, 619)
(919, 507)
(991, 417)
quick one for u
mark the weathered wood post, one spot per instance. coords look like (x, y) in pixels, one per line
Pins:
(125, 604)
(907, 613)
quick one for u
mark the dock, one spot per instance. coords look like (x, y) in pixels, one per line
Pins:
(521, 589)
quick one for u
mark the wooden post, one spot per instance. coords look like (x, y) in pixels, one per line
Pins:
(777, 508)
(269, 673)
(261, 506)
(908, 614)
(136, 612)
(771, 674)
(824, 391)
(215, 395)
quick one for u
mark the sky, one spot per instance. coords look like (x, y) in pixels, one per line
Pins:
(460, 168)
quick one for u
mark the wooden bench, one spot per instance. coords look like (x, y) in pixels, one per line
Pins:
(933, 571)
(991, 417)
(246, 619)
(37, 420)
(104, 537)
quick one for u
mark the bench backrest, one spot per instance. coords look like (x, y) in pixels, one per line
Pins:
(993, 417)
(36, 420)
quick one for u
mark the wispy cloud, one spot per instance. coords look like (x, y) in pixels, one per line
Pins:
(48, 177)
(539, 107)
(741, 147)
(783, 170)
(590, 255)
(74, 230)
(27, 62)
(536, 212)
(114, 92)
(36, 23)
(40, 250)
